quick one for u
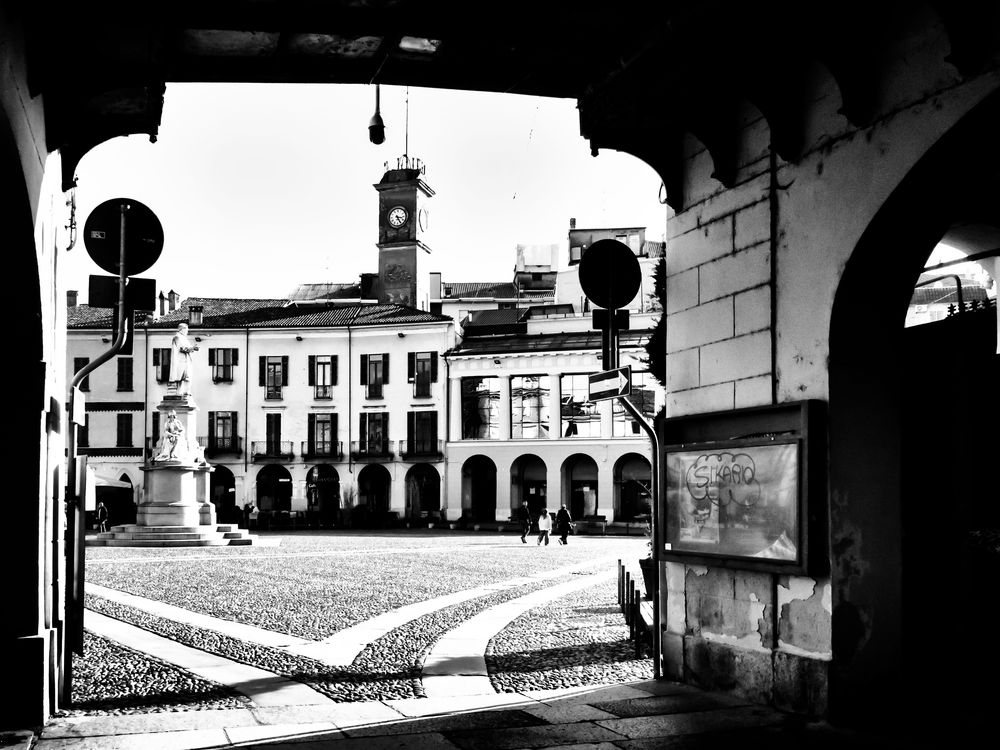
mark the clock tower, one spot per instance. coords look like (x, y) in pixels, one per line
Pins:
(402, 225)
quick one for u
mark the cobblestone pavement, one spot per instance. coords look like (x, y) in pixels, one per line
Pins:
(312, 585)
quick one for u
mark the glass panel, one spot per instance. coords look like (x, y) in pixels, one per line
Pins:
(647, 396)
(579, 416)
(481, 408)
(529, 407)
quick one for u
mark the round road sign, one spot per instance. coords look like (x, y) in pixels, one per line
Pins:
(609, 274)
(143, 236)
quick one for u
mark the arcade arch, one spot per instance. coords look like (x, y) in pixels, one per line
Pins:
(908, 407)
(374, 486)
(423, 491)
(222, 491)
(632, 487)
(479, 488)
(274, 489)
(579, 486)
(528, 483)
(323, 493)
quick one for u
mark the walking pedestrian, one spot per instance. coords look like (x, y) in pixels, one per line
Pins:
(544, 526)
(564, 522)
(102, 517)
(524, 518)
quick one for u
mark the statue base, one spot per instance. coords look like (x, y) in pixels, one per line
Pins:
(176, 495)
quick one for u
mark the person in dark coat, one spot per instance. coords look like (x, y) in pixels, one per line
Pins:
(524, 518)
(102, 517)
(564, 522)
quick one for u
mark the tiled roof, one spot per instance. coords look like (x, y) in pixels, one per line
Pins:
(266, 313)
(948, 295)
(545, 342)
(496, 317)
(326, 291)
(85, 316)
(479, 290)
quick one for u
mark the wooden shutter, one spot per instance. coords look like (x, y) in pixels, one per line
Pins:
(236, 357)
(385, 368)
(311, 431)
(312, 369)
(434, 367)
(362, 428)
(156, 358)
(263, 370)
(211, 357)
(411, 366)
(235, 429)
(333, 431)
(333, 369)
(156, 427)
(411, 427)
(211, 426)
(364, 369)
(284, 370)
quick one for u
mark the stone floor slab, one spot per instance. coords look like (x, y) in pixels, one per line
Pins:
(667, 704)
(533, 737)
(90, 726)
(414, 707)
(282, 731)
(503, 719)
(568, 714)
(694, 723)
(427, 741)
(194, 739)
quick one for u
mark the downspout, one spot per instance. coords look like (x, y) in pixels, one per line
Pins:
(772, 198)
(246, 421)
(350, 386)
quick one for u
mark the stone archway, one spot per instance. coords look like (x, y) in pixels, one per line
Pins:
(479, 486)
(423, 492)
(323, 495)
(579, 487)
(528, 483)
(274, 489)
(899, 499)
(374, 487)
(222, 491)
(632, 477)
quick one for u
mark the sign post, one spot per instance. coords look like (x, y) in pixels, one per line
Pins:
(610, 277)
(123, 237)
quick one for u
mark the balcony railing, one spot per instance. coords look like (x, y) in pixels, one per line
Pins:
(421, 448)
(122, 451)
(329, 449)
(371, 450)
(279, 449)
(222, 446)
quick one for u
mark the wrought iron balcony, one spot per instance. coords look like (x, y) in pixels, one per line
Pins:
(322, 449)
(222, 446)
(120, 451)
(372, 450)
(271, 449)
(421, 448)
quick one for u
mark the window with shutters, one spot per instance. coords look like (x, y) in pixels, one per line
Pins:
(222, 431)
(124, 431)
(83, 434)
(156, 427)
(78, 364)
(421, 370)
(161, 364)
(322, 435)
(222, 362)
(322, 374)
(373, 433)
(273, 441)
(273, 376)
(374, 374)
(421, 432)
(124, 373)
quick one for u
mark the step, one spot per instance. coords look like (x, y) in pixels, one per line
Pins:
(166, 543)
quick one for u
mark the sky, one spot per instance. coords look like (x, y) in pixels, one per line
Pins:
(260, 188)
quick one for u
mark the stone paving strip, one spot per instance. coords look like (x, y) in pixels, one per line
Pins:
(456, 664)
(342, 648)
(262, 687)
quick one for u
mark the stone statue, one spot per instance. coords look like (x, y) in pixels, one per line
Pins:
(180, 361)
(172, 435)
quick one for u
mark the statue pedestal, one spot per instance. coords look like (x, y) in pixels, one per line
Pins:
(177, 477)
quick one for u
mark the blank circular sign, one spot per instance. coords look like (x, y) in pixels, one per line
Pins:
(143, 236)
(609, 274)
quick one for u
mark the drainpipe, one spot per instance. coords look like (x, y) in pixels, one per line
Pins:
(772, 198)
(246, 421)
(350, 386)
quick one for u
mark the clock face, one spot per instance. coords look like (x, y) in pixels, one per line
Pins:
(397, 216)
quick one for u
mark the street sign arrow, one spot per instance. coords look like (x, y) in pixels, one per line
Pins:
(611, 383)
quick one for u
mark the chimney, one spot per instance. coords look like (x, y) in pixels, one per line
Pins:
(173, 298)
(163, 303)
(572, 223)
(435, 285)
(71, 298)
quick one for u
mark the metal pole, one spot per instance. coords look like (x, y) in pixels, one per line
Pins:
(75, 529)
(654, 488)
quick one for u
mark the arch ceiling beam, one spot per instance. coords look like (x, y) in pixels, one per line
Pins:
(643, 73)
